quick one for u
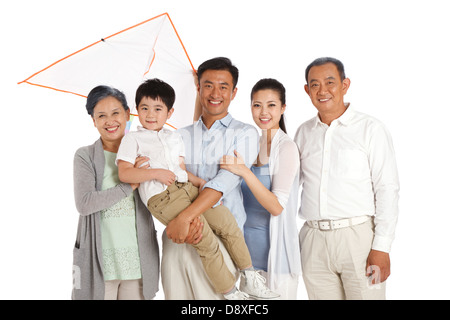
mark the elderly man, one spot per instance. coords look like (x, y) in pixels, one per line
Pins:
(350, 192)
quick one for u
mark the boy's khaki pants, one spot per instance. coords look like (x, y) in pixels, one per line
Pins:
(178, 196)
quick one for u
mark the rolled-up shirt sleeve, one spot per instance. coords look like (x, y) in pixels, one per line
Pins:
(246, 143)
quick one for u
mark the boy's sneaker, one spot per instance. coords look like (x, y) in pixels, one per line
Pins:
(236, 295)
(253, 284)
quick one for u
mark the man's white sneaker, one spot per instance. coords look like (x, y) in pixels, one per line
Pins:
(236, 295)
(253, 284)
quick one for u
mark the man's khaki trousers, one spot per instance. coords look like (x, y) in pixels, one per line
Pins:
(334, 263)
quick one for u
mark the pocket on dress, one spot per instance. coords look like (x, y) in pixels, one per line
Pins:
(79, 264)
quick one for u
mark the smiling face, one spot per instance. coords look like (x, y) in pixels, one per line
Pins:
(267, 109)
(327, 91)
(216, 93)
(153, 114)
(110, 119)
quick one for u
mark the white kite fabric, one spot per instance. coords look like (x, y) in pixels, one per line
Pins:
(151, 49)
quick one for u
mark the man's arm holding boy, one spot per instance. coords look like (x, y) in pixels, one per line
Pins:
(136, 174)
(247, 145)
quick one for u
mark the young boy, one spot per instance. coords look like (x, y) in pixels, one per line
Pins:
(167, 189)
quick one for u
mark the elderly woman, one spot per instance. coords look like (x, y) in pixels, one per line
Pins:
(116, 253)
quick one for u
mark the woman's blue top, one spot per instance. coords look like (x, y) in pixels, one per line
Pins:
(257, 225)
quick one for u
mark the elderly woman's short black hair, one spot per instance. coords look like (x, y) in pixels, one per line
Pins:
(102, 92)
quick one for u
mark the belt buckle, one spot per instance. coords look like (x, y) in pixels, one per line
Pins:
(329, 221)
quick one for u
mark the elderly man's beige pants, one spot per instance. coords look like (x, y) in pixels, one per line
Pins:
(334, 263)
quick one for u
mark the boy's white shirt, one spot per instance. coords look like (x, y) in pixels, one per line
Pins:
(164, 149)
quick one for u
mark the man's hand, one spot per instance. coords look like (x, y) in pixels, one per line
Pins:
(378, 266)
(178, 229)
(195, 232)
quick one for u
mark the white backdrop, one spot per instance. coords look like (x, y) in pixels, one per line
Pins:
(396, 54)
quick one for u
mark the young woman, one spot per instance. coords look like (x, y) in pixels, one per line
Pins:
(270, 190)
(116, 252)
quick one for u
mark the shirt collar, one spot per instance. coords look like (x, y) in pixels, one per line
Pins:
(141, 128)
(347, 116)
(225, 121)
(344, 119)
(317, 121)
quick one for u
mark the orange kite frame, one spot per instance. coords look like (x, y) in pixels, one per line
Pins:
(137, 25)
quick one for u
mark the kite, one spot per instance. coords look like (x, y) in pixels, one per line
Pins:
(150, 49)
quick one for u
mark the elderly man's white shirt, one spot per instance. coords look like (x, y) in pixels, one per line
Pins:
(348, 169)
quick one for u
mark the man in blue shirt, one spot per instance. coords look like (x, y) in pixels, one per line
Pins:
(214, 135)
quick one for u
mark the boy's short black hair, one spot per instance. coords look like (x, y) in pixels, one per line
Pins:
(156, 89)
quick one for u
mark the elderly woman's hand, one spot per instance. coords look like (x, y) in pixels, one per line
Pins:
(141, 162)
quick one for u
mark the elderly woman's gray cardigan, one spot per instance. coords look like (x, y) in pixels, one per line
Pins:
(89, 164)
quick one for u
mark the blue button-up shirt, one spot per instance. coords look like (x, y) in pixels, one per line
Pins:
(205, 148)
